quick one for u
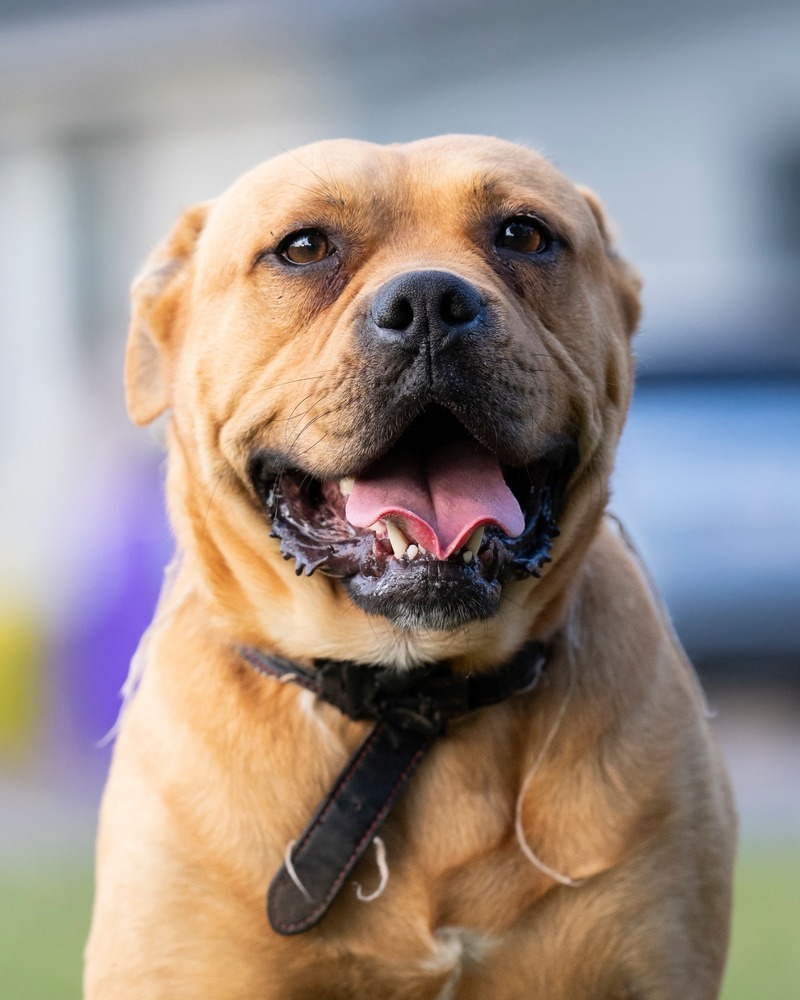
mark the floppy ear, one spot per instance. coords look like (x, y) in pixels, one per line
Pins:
(157, 298)
(627, 280)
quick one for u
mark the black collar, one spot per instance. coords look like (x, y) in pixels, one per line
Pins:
(411, 709)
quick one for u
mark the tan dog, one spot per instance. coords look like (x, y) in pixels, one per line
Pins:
(410, 364)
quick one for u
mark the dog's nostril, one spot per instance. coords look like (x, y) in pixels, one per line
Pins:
(460, 305)
(393, 313)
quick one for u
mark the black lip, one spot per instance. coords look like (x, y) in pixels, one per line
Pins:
(429, 594)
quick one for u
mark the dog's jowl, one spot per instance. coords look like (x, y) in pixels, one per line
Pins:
(409, 721)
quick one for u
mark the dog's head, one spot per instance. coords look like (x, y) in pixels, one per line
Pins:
(406, 367)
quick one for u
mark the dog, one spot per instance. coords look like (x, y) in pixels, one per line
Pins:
(406, 670)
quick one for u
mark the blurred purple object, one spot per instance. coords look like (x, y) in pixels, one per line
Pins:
(118, 576)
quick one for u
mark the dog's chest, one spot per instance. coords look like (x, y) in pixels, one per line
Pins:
(448, 886)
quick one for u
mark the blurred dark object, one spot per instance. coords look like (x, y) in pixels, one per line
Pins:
(708, 484)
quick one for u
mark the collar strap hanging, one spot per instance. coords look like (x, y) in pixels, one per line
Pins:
(411, 709)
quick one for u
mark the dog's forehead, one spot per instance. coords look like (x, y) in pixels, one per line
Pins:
(450, 173)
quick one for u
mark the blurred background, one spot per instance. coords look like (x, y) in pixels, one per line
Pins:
(685, 117)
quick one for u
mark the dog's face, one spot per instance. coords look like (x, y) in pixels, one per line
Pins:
(409, 364)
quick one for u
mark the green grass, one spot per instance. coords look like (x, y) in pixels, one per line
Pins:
(44, 919)
(764, 962)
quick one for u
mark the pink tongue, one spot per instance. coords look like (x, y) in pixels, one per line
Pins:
(437, 499)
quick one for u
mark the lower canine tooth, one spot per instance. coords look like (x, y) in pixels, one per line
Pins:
(397, 539)
(412, 551)
(346, 485)
(474, 540)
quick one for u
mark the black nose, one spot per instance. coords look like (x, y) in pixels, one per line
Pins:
(433, 306)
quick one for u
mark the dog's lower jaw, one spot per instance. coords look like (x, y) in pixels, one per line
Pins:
(438, 596)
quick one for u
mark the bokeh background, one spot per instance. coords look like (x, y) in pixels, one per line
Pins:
(115, 115)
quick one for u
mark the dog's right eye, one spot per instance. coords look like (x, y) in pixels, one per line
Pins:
(306, 246)
(523, 234)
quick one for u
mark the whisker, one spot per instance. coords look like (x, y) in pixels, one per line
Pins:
(325, 186)
(293, 415)
(487, 177)
(292, 381)
(319, 440)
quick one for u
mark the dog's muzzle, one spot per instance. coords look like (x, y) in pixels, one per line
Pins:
(426, 522)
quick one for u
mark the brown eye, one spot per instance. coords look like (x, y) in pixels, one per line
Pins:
(522, 235)
(308, 246)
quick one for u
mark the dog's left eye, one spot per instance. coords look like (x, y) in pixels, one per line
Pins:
(306, 246)
(523, 234)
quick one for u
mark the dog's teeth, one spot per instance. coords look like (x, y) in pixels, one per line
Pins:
(467, 555)
(346, 484)
(474, 541)
(379, 527)
(412, 551)
(398, 540)
(422, 550)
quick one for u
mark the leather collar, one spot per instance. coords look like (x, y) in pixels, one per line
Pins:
(411, 710)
